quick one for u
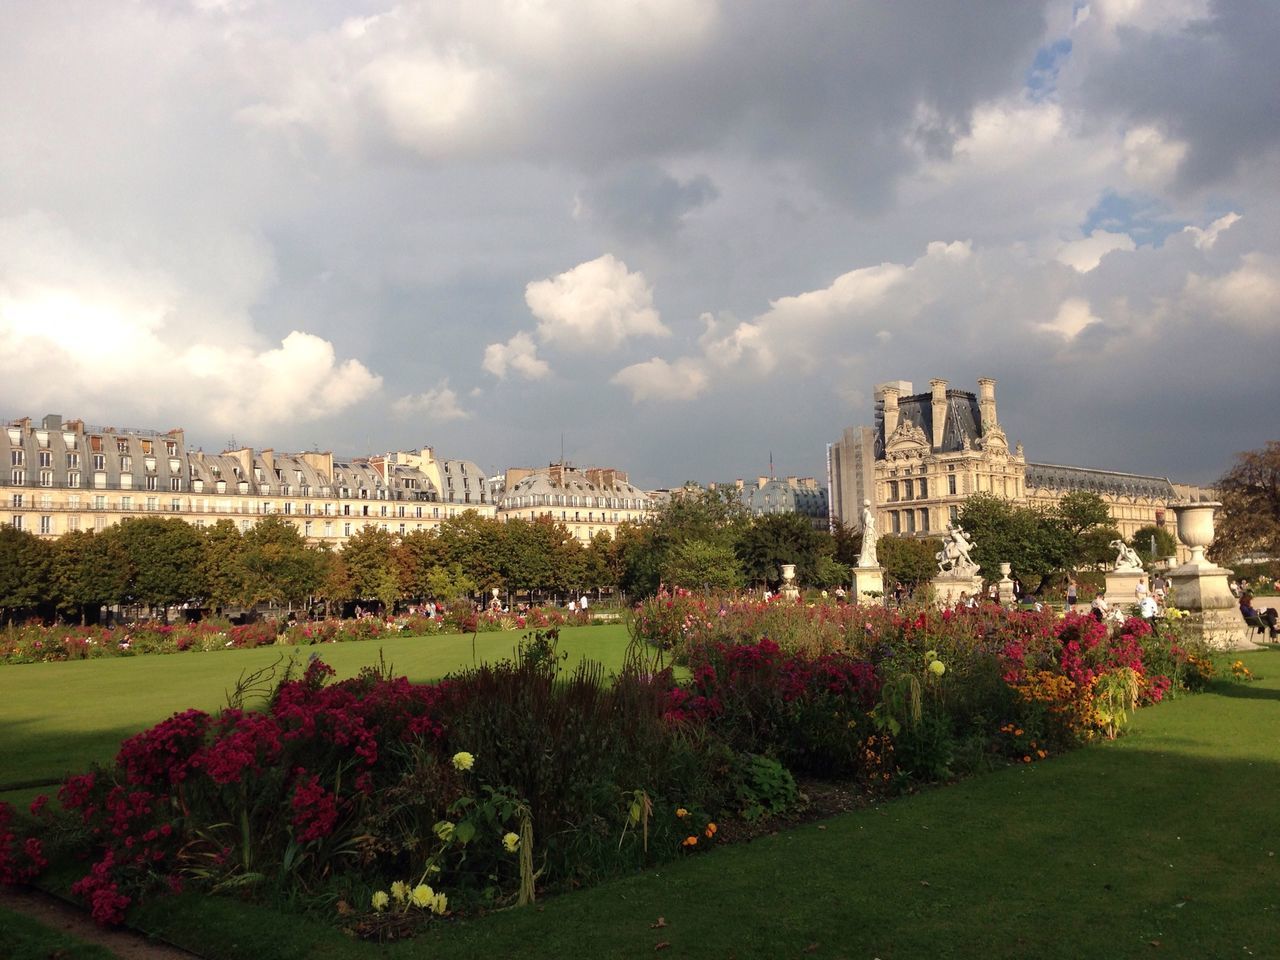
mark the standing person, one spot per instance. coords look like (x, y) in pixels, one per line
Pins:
(573, 606)
(582, 604)
(993, 593)
(1072, 592)
(1140, 591)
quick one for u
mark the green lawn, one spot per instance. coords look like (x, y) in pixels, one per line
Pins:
(57, 718)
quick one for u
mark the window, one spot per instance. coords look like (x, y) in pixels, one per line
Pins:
(152, 483)
(126, 481)
(171, 447)
(126, 503)
(46, 458)
(175, 483)
(99, 461)
(911, 520)
(122, 445)
(328, 528)
(73, 502)
(346, 529)
(19, 477)
(895, 524)
(46, 524)
(306, 529)
(306, 509)
(126, 464)
(175, 505)
(17, 521)
(73, 479)
(46, 478)
(953, 513)
(153, 504)
(908, 490)
(893, 493)
(924, 521)
(288, 507)
(924, 488)
(73, 461)
(17, 501)
(951, 484)
(99, 503)
(17, 458)
(73, 523)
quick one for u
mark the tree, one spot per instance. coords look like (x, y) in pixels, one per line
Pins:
(699, 565)
(908, 560)
(1033, 543)
(221, 571)
(418, 554)
(847, 545)
(1249, 521)
(449, 583)
(714, 517)
(163, 557)
(277, 564)
(1166, 545)
(476, 544)
(1080, 515)
(87, 572)
(777, 538)
(369, 564)
(24, 571)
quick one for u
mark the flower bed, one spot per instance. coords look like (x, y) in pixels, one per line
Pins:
(35, 643)
(403, 803)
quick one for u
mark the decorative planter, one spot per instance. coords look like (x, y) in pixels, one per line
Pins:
(1195, 527)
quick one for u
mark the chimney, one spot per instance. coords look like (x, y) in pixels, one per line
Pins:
(987, 404)
(939, 411)
(890, 410)
(555, 473)
(52, 421)
(321, 463)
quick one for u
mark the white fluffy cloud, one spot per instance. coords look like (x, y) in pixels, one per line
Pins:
(519, 354)
(1086, 253)
(439, 404)
(598, 305)
(658, 381)
(121, 337)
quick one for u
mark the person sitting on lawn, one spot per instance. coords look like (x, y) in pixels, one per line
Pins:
(1265, 617)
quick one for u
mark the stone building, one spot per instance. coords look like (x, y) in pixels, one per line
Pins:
(929, 452)
(588, 502)
(802, 495)
(66, 476)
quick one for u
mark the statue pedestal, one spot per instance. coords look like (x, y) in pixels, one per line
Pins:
(868, 584)
(1122, 588)
(1213, 613)
(948, 587)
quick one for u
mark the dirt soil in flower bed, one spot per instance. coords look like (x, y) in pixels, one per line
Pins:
(825, 800)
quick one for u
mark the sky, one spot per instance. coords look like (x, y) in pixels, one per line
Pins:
(677, 237)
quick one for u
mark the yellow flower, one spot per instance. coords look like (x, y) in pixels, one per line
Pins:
(463, 760)
(937, 668)
(380, 900)
(422, 895)
(439, 904)
(399, 891)
(511, 841)
(681, 812)
(444, 830)
(930, 656)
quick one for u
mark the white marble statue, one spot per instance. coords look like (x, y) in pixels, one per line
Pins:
(1126, 559)
(954, 556)
(867, 558)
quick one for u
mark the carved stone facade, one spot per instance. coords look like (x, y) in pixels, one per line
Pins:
(929, 452)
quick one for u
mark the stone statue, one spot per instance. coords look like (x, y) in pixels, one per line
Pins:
(1126, 559)
(954, 556)
(867, 558)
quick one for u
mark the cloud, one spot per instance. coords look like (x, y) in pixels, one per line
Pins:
(1248, 295)
(439, 404)
(598, 305)
(656, 380)
(1072, 318)
(119, 333)
(644, 201)
(1206, 238)
(1150, 159)
(1087, 253)
(519, 354)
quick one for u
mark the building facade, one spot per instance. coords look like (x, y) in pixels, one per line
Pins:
(767, 495)
(65, 476)
(929, 452)
(587, 501)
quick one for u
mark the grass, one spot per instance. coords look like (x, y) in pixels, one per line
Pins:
(58, 718)
(1161, 844)
(22, 938)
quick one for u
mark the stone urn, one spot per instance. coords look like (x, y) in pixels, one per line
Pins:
(1195, 527)
(789, 588)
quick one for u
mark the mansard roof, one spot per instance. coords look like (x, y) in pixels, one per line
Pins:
(1053, 476)
(963, 419)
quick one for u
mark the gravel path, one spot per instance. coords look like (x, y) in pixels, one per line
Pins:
(62, 916)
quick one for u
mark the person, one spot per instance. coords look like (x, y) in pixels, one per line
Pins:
(993, 593)
(1147, 607)
(840, 594)
(1266, 617)
(1140, 591)
(1100, 608)
(1072, 592)
(573, 606)
(582, 604)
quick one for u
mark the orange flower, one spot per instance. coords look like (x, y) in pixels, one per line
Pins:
(1018, 732)
(1026, 759)
(1042, 754)
(681, 812)
(711, 830)
(689, 842)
